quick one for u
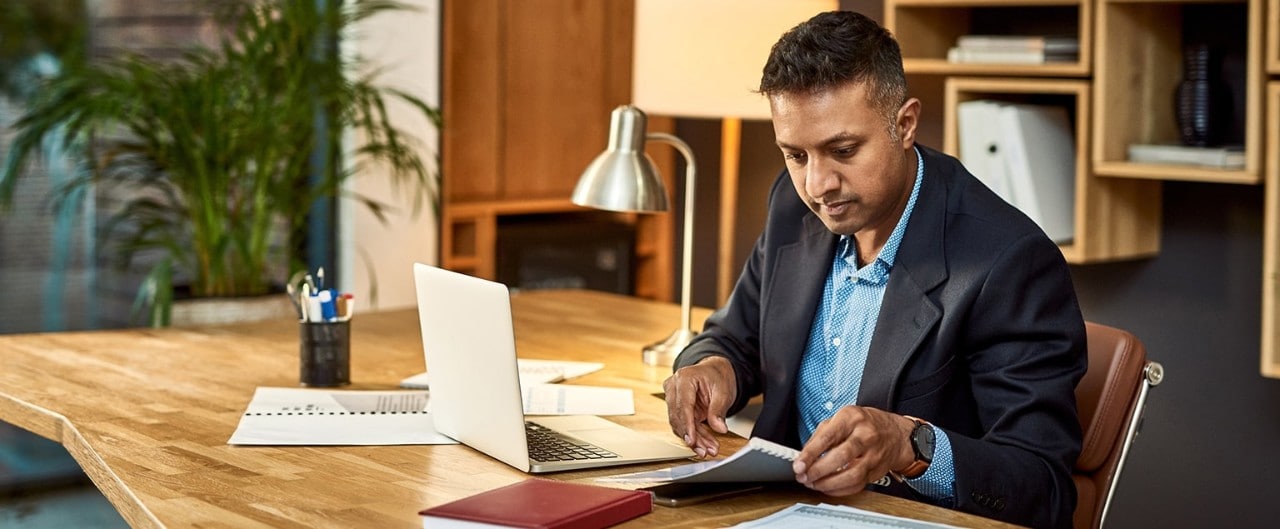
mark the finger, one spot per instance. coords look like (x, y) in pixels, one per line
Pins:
(717, 406)
(810, 464)
(679, 409)
(834, 462)
(705, 442)
(846, 479)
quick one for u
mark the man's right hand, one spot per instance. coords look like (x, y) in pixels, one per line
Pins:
(698, 396)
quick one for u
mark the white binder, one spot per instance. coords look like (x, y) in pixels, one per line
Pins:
(981, 145)
(1040, 157)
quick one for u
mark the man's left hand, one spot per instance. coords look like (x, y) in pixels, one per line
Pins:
(854, 447)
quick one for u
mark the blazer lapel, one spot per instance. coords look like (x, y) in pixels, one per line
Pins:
(794, 295)
(907, 314)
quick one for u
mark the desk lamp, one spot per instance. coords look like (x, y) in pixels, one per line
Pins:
(623, 178)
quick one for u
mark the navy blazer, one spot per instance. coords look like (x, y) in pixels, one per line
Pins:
(979, 333)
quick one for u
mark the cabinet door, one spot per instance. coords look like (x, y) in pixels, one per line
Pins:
(528, 90)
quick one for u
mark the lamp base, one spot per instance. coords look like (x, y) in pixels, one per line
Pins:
(664, 353)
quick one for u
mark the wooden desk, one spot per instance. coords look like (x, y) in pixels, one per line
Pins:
(147, 414)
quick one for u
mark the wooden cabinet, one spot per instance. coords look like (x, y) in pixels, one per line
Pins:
(1114, 218)
(528, 88)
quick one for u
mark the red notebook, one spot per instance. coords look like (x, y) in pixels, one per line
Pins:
(547, 504)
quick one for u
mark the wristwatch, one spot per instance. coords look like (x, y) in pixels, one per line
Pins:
(922, 442)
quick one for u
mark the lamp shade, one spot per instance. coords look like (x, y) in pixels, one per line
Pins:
(703, 58)
(623, 177)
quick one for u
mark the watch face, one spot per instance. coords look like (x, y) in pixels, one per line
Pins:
(923, 440)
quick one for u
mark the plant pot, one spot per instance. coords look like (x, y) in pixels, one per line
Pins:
(195, 312)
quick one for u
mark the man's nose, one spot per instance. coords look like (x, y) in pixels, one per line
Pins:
(820, 180)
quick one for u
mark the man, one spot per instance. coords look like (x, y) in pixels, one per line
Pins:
(898, 317)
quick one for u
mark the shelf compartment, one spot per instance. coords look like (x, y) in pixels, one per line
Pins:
(1130, 99)
(1115, 219)
(926, 29)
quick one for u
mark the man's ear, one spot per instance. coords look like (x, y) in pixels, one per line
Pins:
(908, 120)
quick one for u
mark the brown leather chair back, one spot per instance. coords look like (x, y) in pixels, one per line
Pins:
(1110, 399)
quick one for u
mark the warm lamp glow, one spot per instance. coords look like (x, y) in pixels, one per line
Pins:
(703, 58)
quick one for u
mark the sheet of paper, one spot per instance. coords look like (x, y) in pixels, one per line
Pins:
(804, 516)
(531, 372)
(567, 369)
(567, 399)
(315, 417)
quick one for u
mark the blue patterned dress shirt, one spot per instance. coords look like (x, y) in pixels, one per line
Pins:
(836, 354)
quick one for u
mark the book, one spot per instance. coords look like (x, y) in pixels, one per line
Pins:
(1228, 157)
(760, 460)
(316, 417)
(957, 54)
(1040, 157)
(1052, 45)
(542, 503)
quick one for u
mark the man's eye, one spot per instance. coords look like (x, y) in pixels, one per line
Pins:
(845, 151)
(796, 156)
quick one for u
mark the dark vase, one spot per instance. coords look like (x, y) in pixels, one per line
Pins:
(1202, 102)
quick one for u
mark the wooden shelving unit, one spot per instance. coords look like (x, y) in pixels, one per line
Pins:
(1114, 218)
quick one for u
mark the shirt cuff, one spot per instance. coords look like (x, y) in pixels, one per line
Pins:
(938, 482)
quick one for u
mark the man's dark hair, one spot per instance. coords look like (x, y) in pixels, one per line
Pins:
(835, 48)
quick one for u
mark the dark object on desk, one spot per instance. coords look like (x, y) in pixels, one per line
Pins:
(547, 504)
(324, 353)
(684, 494)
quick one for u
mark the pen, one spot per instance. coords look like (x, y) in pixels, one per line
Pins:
(293, 298)
(348, 303)
(314, 310)
(328, 309)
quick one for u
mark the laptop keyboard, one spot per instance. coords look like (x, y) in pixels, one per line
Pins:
(548, 445)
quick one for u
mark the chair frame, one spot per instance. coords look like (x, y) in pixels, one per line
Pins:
(1152, 376)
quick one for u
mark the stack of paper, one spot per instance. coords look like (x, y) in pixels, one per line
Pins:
(803, 515)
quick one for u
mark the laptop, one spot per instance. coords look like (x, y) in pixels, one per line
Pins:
(469, 345)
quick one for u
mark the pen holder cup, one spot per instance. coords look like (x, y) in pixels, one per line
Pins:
(325, 353)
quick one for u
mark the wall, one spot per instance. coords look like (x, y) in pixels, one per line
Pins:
(377, 256)
(1206, 453)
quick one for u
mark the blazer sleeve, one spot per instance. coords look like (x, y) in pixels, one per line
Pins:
(1027, 343)
(733, 331)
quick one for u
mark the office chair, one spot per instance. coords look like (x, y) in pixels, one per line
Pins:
(1110, 398)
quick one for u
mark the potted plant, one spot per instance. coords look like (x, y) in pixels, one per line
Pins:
(220, 154)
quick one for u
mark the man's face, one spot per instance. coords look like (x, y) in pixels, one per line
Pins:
(843, 161)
